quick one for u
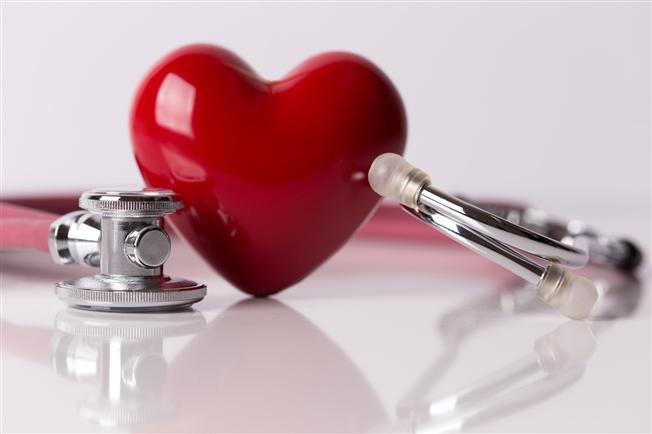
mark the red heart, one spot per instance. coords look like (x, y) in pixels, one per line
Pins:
(272, 173)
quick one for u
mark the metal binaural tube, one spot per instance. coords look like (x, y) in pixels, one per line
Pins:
(393, 177)
(489, 235)
(501, 229)
(499, 253)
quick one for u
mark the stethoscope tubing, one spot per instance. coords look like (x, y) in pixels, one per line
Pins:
(26, 228)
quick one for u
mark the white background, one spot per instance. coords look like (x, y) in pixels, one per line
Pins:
(544, 101)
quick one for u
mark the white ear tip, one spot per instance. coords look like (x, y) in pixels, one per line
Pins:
(383, 170)
(572, 295)
(394, 178)
(582, 295)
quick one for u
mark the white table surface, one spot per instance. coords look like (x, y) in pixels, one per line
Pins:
(382, 338)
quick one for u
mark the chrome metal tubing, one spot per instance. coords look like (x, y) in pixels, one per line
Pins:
(602, 249)
(482, 244)
(502, 232)
(432, 201)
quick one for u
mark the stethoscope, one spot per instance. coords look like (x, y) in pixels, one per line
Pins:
(122, 232)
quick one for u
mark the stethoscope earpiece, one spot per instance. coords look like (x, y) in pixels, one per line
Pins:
(122, 233)
(502, 240)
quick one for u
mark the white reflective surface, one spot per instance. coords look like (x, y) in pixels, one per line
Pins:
(385, 337)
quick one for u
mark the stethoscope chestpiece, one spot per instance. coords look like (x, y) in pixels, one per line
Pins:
(123, 233)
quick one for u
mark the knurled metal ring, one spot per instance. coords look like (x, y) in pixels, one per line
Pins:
(144, 202)
(100, 293)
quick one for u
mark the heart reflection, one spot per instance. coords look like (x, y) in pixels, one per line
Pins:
(264, 365)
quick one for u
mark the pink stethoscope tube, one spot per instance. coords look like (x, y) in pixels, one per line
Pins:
(24, 227)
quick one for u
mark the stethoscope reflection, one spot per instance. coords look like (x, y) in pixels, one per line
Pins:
(122, 356)
(556, 361)
(263, 366)
(258, 364)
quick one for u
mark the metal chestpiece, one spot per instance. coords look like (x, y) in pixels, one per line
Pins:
(122, 233)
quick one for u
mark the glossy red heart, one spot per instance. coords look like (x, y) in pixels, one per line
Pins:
(272, 173)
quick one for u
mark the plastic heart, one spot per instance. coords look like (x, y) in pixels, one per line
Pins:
(272, 173)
